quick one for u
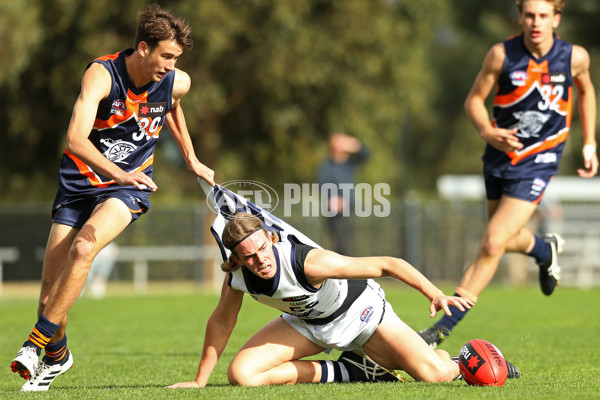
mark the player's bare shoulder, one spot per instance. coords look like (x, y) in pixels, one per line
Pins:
(494, 60)
(96, 82)
(580, 60)
(182, 84)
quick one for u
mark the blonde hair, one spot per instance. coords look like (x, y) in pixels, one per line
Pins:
(559, 5)
(236, 230)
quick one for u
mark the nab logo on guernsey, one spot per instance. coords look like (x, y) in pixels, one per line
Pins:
(263, 195)
(152, 109)
(557, 78)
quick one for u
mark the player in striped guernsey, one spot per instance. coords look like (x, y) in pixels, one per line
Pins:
(534, 74)
(105, 176)
(329, 301)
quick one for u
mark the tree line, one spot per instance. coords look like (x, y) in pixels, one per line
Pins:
(270, 81)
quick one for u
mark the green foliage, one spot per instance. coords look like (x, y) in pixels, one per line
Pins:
(130, 347)
(277, 78)
(270, 81)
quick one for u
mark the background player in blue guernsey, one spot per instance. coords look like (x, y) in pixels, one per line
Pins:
(534, 73)
(105, 176)
(328, 301)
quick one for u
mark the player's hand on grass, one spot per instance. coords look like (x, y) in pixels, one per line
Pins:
(443, 303)
(179, 385)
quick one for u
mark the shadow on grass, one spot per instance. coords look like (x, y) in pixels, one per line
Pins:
(8, 393)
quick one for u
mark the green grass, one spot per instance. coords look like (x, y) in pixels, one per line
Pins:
(130, 347)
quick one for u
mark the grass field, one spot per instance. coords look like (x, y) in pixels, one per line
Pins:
(130, 347)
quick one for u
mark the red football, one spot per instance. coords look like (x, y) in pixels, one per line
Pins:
(481, 363)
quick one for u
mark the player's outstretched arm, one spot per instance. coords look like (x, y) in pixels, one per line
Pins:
(95, 86)
(320, 265)
(499, 138)
(175, 121)
(218, 330)
(580, 63)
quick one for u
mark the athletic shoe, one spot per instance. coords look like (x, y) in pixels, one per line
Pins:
(26, 362)
(549, 269)
(434, 336)
(361, 369)
(459, 377)
(46, 373)
(513, 371)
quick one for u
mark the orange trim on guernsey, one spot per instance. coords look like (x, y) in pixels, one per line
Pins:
(132, 103)
(546, 145)
(109, 57)
(534, 74)
(86, 171)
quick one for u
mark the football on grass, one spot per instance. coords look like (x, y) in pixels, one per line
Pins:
(481, 363)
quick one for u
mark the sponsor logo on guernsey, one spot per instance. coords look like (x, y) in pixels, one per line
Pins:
(117, 107)
(546, 158)
(298, 303)
(518, 78)
(152, 109)
(554, 78)
(296, 298)
(530, 123)
(537, 187)
(117, 151)
(366, 314)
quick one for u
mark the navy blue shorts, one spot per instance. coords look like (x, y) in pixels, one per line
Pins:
(75, 211)
(528, 189)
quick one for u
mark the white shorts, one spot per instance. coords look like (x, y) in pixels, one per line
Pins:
(351, 330)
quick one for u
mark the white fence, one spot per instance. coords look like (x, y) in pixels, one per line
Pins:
(7, 254)
(570, 207)
(440, 237)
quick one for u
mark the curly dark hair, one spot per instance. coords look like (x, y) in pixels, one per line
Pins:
(156, 24)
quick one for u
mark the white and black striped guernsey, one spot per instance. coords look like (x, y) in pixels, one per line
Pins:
(290, 292)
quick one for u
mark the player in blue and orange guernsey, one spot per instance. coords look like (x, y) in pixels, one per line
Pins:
(105, 176)
(534, 74)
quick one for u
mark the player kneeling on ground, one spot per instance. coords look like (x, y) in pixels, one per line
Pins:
(329, 301)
